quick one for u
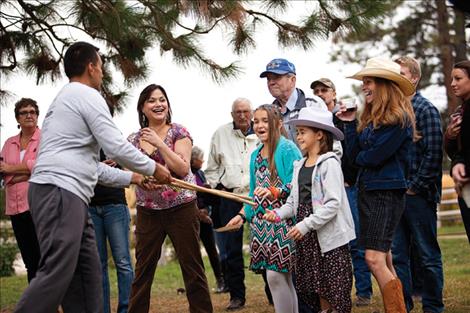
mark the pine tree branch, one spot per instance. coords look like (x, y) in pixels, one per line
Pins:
(5, 15)
(326, 10)
(12, 23)
(12, 49)
(274, 21)
(191, 29)
(39, 21)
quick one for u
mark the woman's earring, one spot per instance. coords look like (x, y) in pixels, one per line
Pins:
(18, 126)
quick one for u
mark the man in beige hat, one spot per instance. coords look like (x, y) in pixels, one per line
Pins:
(325, 89)
(417, 229)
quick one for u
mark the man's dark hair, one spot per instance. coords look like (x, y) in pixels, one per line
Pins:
(78, 56)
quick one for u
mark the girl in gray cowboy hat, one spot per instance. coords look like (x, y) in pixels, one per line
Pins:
(325, 225)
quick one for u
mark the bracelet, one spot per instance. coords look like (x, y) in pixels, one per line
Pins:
(242, 216)
(274, 191)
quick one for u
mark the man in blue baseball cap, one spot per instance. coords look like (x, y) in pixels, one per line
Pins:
(281, 78)
(279, 67)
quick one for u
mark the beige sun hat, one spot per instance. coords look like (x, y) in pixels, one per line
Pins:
(387, 69)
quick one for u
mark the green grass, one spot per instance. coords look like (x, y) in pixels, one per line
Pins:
(456, 258)
(451, 229)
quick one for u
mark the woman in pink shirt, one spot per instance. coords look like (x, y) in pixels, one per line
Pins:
(166, 212)
(18, 158)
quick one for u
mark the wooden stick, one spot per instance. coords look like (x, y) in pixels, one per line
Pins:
(220, 193)
(147, 147)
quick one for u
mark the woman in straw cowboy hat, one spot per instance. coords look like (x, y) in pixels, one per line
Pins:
(379, 145)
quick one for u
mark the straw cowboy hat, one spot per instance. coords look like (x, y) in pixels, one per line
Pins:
(387, 69)
(319, 118)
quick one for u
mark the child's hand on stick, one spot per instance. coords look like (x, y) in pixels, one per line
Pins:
(295, 233)
(236, 220)
(271, 216)
(263, 193)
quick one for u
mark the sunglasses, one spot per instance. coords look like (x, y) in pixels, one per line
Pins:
(323, 90)
(25, 113)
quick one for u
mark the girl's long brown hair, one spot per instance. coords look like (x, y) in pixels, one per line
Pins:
(275, 131)
(389, 107)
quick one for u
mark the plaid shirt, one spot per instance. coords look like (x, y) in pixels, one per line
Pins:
(425, 174)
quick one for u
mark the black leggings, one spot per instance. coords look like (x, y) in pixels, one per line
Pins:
(25, 235)
(465, 211)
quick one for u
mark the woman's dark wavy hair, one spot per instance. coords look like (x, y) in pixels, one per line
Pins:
(463, 65)
(144, 96)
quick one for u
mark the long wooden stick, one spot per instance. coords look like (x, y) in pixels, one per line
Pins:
(220, 193)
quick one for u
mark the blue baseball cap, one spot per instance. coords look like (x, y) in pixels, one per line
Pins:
(279, 66)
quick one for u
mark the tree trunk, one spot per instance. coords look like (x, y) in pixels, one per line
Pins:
(459, 39)
(446, 57)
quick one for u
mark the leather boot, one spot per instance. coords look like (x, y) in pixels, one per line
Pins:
(393, 297)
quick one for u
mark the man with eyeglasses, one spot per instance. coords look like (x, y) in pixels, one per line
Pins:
(228, 169)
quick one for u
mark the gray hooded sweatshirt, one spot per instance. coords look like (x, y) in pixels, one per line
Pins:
(331, 216)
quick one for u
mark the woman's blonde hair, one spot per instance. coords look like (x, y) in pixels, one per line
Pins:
(389, 107)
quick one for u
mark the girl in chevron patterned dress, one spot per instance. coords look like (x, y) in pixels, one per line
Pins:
(270, 175)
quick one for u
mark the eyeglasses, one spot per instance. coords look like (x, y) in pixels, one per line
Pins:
(25, 113)
(244, 112)
(322, 90)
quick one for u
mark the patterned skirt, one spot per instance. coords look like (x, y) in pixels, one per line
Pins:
(270, 249)
(328, 276)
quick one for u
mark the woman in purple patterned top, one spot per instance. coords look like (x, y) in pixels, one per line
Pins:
(164, 211)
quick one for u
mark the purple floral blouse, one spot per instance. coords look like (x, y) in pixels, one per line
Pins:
(164, 197)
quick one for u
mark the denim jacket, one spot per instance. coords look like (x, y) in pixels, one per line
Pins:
(382, 155)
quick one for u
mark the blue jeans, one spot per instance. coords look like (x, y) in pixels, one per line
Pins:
(231, 250)
(111, 223)
(418, 229)
(362, 278)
